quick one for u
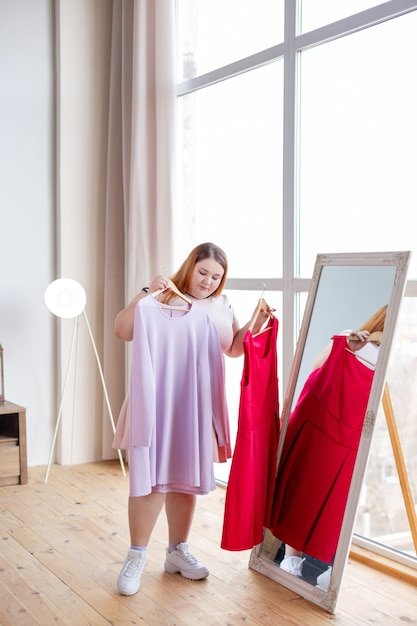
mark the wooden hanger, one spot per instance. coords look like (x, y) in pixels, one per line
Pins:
(263, 330)
(262, 306)
(173, 288)
(172, 307)
(358, 356)
(375, 337)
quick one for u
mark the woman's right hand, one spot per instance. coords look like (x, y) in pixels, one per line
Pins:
(124, 321)
(159, 282)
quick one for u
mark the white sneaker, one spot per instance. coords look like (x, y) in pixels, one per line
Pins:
(324, 579)
(292, 565)
(180, 560)
(128, 581)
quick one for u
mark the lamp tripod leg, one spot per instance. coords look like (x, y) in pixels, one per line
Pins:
(104, 390)
(58, 420)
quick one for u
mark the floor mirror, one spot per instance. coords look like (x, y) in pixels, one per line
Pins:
(317, 493)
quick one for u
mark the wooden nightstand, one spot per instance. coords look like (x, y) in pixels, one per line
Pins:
(13, 454)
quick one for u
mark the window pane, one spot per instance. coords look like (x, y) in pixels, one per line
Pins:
(316, 13)
(231, 171)
(243, 303)
(213, 33)
(382, 514)
(358, 143)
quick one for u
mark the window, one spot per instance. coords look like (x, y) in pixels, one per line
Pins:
(231, 167)
(316, 13)
(219, 32)
(358, 142)
(298, 136)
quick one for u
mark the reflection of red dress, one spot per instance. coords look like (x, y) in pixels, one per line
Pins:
(252, 474)
(319, 453)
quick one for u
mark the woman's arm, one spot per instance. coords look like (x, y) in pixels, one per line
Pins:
(320, 358)
(236, 347)
(256, 322)
(355, 340)
(124, 320)
(123, 323)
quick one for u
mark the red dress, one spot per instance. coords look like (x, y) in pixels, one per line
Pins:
(252, 473)
(319, 453)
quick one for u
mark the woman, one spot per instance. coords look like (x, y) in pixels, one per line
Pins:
(201, 278)
(321, 443)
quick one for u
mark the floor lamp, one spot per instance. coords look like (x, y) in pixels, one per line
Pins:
(66, 298)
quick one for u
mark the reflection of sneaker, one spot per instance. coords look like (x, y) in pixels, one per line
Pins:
(292, 565)
(180, 560)
(128, 581)
(324, 579)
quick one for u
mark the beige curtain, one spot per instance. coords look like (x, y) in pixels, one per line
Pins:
(140, 169)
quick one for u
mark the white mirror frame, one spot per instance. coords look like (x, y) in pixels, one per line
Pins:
(399, 261)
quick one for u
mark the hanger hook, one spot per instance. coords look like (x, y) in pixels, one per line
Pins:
(262, 284)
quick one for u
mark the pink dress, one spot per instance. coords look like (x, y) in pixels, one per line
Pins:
(177, 398)
(252, 474)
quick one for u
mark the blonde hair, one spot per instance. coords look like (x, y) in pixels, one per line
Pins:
(375, 324)
(182, 277)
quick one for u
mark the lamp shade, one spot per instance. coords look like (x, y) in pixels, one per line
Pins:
(65, 297)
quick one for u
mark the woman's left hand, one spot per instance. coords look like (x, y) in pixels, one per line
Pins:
(357, 339)
(265, 312)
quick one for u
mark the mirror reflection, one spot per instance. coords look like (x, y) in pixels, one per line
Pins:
(324, 416)
(345, 297)
(320, 448)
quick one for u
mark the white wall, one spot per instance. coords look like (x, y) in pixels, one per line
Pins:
(52, 191)
(26, 212)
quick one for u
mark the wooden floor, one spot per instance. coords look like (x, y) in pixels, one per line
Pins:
(63, 543)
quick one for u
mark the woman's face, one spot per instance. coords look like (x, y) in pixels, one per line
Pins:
(206, 278)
